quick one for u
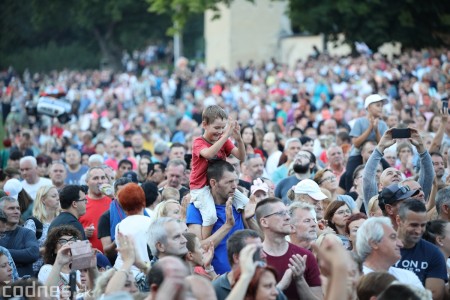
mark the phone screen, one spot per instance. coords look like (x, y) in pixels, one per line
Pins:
(401, 133)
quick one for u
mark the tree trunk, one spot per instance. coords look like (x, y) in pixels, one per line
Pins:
(111, 54)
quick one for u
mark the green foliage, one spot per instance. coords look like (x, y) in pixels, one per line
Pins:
(180, 10)
(98, 27)
(414, 23)
(74, 56)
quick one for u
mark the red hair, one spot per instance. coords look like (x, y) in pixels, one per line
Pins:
(132, 198)
(253, 285)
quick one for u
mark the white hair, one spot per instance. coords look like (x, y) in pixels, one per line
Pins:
(301, 205)
(370, 231)
(289, 141)
(95, 159)
(157, 233)
(30, 159)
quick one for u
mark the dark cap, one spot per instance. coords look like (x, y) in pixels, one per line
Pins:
(394, 193)
(131, 175)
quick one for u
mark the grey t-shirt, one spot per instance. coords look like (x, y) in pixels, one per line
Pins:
(361, 125)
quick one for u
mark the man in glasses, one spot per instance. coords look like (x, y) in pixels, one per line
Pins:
(390, 198)
(20, 242)
(275, 222)
(73, 205)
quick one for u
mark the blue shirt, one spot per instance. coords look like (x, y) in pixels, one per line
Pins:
(220, 260)
(424, 259)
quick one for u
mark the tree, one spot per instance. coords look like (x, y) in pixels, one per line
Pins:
(111, 26)
(180, 10)
(413, 23)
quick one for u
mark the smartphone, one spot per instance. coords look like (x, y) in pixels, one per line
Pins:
(445, 105)
(73, 284)
(401, 133)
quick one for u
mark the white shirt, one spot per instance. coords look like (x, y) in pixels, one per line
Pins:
(402, 275)
(137, 227)
(32, 189)
(272, 163)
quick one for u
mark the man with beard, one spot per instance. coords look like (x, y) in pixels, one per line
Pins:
(302, 170)
(439, 167)
(392, 175)
(304, 224)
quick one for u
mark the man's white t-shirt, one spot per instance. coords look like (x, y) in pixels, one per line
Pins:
(402, 275)
(32, 189)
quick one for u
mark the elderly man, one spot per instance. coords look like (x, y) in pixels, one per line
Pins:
(392, 175)
(166, 238)
(29, 173)
(335, 157)
(175, 174)
(253, 167)
(304, 224)
(97, 204)
(378, 246)
(20, 242)
(58, 174)
(443, 204)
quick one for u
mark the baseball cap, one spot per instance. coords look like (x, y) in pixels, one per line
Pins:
(259, 185)
(103, 261)
(374, 98)
(311, 188)
(131, 175)
(394, 193)
(13, 187)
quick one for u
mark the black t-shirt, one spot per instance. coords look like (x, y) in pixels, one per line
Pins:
(104, 224)
(66, 218)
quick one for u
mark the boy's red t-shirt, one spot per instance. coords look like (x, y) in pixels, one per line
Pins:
(200, 164)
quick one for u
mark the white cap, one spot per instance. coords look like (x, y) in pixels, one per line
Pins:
(12, 188)
(374, 98)
(310, 188)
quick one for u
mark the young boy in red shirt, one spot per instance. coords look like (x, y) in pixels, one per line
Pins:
(214, 144)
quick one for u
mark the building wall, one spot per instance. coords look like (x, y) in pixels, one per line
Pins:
(259, 31)
(245, 31)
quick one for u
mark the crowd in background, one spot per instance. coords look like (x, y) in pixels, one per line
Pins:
(324, 170)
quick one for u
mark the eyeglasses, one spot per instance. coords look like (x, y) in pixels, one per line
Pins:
(80, 200)
(62, 242)
(329, 178)
(341, 212)
(278, 213)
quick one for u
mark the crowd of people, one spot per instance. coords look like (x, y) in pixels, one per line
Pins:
(324, 180)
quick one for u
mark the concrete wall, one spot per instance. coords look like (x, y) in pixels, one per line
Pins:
(245, 31)
(259, 31)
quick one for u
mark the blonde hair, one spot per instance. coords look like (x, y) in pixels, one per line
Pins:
(170, 193)
(373, 205)
(39, 210)
(161, 209)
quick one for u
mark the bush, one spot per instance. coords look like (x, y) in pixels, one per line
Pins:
(53, 57)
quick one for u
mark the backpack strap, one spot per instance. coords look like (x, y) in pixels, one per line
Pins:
(39, 227)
